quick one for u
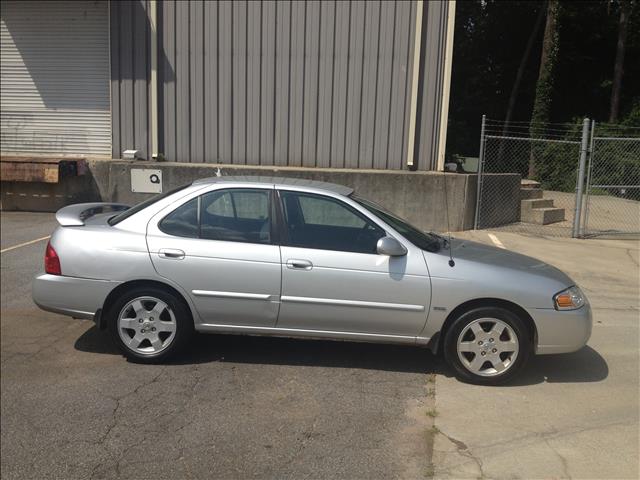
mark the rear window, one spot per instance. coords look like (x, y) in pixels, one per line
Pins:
(142, 205)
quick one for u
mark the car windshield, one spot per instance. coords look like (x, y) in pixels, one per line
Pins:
(142, 205)
(423, 240)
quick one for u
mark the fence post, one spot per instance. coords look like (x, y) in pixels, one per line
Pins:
(585, 221)
(480, 169)
(584, 147)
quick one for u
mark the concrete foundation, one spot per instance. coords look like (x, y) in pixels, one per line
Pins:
(418, 197)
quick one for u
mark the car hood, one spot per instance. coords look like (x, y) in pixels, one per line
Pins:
(493, 257)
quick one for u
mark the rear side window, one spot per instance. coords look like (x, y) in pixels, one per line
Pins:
(240, 215)
(183, 221)
(233, 215)
(142, 205)
(324, 223)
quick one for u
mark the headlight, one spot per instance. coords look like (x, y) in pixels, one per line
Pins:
(569, 299)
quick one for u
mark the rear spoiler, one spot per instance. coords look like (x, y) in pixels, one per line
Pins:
(75, 215)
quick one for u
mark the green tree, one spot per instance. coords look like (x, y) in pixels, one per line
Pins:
(544, 88)
(618, 69)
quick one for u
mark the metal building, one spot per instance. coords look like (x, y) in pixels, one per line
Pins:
(337, 84)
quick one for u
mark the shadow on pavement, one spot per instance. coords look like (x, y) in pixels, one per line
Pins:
(586, 365)
(206, 348)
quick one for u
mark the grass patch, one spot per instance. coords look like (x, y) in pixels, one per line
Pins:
(430, 471)
(433, 430)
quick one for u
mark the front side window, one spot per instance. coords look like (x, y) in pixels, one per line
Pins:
(324, 223)
(423, 240)
(233, 215)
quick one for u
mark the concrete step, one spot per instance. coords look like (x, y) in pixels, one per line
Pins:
(536, 203)
(528, 193)
(543, 216)
(529, 184)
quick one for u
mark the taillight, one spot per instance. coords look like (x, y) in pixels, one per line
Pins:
(51, 261)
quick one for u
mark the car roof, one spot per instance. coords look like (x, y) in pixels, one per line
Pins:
(278, 182)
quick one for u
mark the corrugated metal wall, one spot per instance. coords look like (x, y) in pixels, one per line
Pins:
(130, 74)
(314, 84)
(54, 89)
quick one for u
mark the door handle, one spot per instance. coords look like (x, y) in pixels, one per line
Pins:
(172, 253)
(299, 264)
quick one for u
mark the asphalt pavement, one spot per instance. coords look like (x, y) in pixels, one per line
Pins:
(250, 407)
(232, 407)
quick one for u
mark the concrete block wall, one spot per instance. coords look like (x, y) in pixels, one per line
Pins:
(418, 197)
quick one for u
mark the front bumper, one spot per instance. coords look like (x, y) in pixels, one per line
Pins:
(562, 331)
(76, 297)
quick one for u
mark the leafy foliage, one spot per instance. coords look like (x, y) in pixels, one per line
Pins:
(490, 38)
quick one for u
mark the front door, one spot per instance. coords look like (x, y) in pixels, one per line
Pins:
(220, 249)
(333, 279)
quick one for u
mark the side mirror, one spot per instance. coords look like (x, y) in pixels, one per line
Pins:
(390, 246)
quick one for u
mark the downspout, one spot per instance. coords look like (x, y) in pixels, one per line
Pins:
(153, 20)
(446, 83)
(414, 85)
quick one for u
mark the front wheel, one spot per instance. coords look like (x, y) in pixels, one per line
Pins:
(487, 346)
(150, 324)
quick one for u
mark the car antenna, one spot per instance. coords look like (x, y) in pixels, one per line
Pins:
(452, 263)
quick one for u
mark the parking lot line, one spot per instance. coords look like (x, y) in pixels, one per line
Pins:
(30, 242)
(495, 240)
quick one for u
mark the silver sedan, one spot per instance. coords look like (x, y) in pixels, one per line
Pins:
(299, 258)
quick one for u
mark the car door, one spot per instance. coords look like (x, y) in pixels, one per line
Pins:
(220, 248)
(333, 279)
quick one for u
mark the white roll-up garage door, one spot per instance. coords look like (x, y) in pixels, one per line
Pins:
(55, 78)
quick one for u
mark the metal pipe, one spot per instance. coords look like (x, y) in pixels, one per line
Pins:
(414, 85)
(446, 83)
(585, 225)
(479, 174)
(584, 148)
(153, 94)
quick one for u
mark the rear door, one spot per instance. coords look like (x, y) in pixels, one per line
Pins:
(333, 279)
(221, 249)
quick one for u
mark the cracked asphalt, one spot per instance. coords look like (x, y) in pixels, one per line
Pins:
(232, 407)
(248, 407)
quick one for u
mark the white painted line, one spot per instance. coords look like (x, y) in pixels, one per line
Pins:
(25, 244)
(495, 240)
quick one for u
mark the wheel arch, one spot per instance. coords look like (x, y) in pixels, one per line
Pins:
(435, 345)
(101, 319)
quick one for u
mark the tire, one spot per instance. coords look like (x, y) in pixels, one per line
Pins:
(150, 324)
(504, 349)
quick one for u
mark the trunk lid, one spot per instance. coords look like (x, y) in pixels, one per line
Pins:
(76, 215)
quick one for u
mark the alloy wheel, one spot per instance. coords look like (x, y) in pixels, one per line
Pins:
(147, 325)
(487, 347)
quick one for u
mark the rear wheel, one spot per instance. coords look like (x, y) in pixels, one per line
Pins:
(487, 345)
(150, 324)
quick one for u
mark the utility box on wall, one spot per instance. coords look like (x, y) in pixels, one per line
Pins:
(146, 180)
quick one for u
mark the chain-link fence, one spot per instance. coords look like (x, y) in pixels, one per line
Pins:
(528, 176)
(559, 179)
(612, 193)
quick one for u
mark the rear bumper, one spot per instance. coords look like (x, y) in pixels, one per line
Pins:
(76, 297)
(562, 331)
